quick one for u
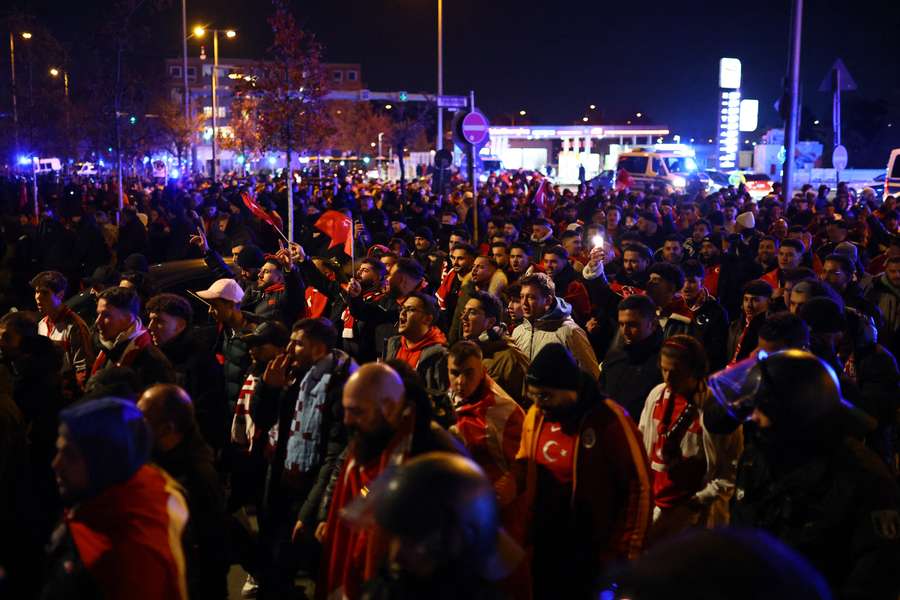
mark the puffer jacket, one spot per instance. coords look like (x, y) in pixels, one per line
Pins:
(557, 327)
(234, 357)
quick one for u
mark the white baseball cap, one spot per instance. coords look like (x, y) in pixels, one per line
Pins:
(226, 289)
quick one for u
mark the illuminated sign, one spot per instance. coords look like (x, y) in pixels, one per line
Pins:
(729, 128)
(749, 120)
(729, 74)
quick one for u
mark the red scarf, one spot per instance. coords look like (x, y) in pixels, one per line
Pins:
(135, 346)
(351, 556)
(370, 296)
(446, 288)
(411, 353)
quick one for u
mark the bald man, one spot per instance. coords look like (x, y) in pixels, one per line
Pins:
(387, 415)
(179, 448)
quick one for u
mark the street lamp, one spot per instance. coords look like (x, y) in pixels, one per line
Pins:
(199, 32)
(593, 107)
(12, 68)
(388, 107)
(54, 72)
(439, 141)
(522, 113)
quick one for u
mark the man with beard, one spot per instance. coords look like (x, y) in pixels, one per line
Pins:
(279, 291)
(790, 256)
(568, 282)
(631, 367)
(462, 256)
(709, 317)
(298, 403)
(503, 361)
(125, 342)
(632, 278)
(672, 251)
(428, 255)
(767, 253)
(63, 327)
(520, 263)
(380, 316)
(743, 333)
(572, 434)
(500, 254)
(664, 288)
(420, 344)
(385, 421)
(196, 368)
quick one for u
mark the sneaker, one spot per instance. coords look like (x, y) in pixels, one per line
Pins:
(250, 589)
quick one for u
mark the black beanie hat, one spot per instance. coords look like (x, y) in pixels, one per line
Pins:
(823, 315)
(554, 367)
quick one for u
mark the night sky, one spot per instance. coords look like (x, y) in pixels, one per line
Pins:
(554, 58)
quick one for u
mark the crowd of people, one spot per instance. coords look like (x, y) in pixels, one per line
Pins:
(519, 391)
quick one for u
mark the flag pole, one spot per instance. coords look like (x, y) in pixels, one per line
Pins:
(352, 247)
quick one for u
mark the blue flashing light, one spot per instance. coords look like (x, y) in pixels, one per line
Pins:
(101, 163)
(366, 160)
(272, 160)
(109, 149)
(174, 174)
(132, 119)
(145, 160)
(239, 160)
(24, 160)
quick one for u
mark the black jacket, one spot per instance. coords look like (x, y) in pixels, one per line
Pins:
(270, 406)
(201, 376)
(235, 358)
(629, 372)
(711, 320)
(191, 464)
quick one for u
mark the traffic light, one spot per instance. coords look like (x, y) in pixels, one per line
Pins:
(132, 119)
(404, 96)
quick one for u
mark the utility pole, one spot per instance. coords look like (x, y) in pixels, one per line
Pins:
(215, 104)
(15, 111)
(187, 91)
(439, 140)
(793, 117)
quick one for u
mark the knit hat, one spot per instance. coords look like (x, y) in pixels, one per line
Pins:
(554, 367)
(746, 220)
(268, 332)
(113, 438)
(425, 232)
(136, 263)
(758, 287)
(849, 250)
(250, 257)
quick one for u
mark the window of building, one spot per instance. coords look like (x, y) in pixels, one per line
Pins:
(192, 72)
(207, 70)
(337, 75)
(207, 112)
(174, 71)
(351, 75)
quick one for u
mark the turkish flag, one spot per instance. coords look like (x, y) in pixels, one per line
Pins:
(259, 212)
(540, 196)
(339, 228)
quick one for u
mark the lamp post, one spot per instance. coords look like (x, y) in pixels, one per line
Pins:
(380, 157)
(187, 91)
(230, 34)
(12, 68)
(439, 141)
(54, 72)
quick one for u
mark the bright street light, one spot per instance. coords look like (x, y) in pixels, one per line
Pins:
(522, 113)
(372, 144)
(26, 35)
(585, 119)
(816, 122)
(593, 107)
(388, 107)
(199, 31)
(54, 72)
(230, 33)
(638, 115)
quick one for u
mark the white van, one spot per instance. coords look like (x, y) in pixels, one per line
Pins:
(86, 169)
(45, 165)
(652, 170)
(892, 175)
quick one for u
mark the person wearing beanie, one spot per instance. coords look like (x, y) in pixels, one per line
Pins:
(742, 335)
(120, 537)
(585, 514)
(246, 259)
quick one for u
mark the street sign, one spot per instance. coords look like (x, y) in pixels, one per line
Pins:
(838, 78)
(839, 158)
(443, 159)
(475, 128)
(452, 101)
